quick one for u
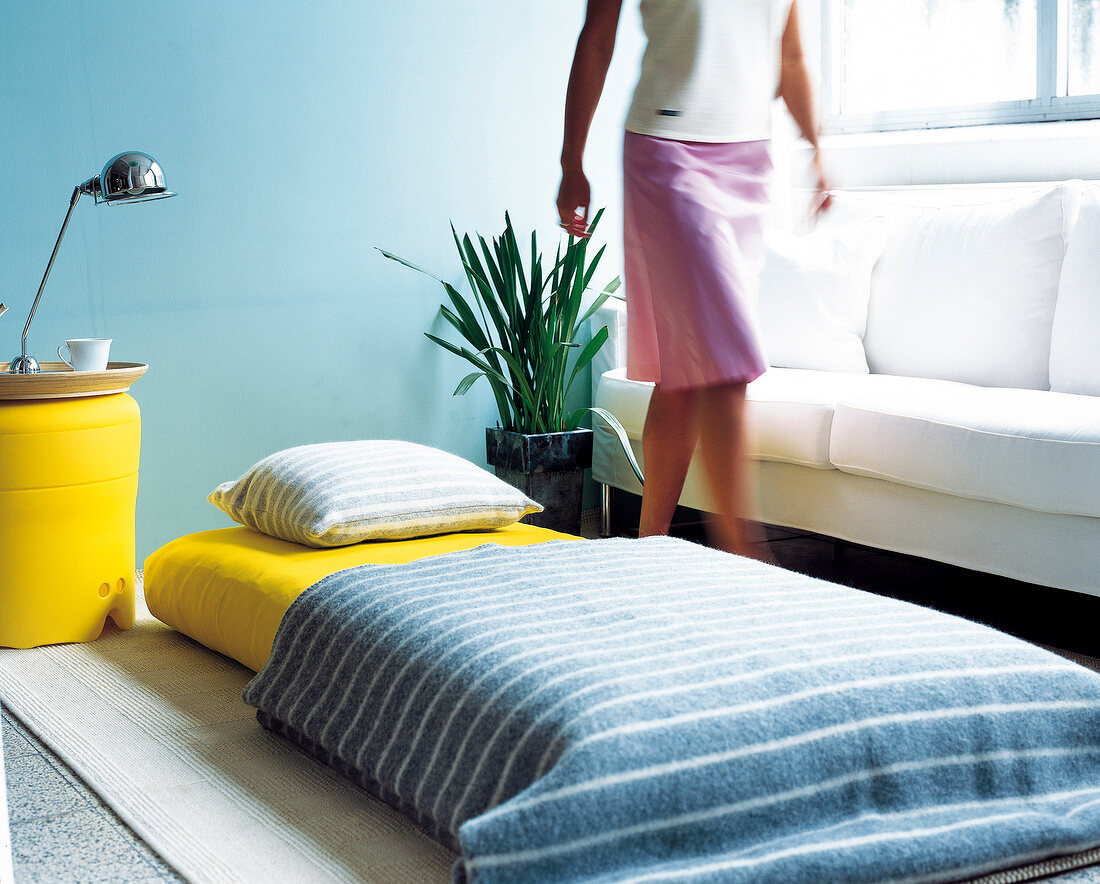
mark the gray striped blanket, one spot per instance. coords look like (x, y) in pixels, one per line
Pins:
(653, 710)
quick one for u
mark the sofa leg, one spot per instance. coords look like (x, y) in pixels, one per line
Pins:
(605, 510)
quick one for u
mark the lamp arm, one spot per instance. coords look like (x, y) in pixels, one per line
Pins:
(72, 205)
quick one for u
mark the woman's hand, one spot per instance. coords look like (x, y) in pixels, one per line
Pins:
(574, 197)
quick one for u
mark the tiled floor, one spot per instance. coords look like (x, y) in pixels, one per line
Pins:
(61, 832)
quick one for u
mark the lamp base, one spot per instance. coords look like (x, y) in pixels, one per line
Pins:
(24, 365)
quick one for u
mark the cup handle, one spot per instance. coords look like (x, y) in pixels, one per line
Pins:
(61, 355)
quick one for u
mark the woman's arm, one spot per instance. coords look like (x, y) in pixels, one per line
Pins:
(590, 62)
(797, 94)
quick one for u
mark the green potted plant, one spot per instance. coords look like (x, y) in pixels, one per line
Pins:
(520, 330)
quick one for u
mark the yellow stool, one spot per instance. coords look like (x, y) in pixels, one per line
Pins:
(68, 487)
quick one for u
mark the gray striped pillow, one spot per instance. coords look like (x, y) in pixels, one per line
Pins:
(339, 493)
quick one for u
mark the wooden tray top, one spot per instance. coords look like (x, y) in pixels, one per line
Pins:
(57, 381)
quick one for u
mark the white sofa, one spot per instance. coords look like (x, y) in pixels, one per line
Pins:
(935, 387)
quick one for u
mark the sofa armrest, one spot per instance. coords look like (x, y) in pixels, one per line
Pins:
(613, 353)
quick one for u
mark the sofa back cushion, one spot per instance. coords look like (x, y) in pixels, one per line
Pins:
(967, 293)
(1075, 340)
(813, 295)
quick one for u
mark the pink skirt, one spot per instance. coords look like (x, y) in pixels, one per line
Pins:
(693, 247)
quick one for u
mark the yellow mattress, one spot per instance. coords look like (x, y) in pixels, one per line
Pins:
(229, 588)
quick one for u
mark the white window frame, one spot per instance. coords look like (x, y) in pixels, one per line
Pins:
(1051, 77)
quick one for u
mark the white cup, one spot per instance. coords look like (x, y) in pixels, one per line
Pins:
(86, 354)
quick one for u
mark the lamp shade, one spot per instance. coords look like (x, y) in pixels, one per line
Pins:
(130, 177)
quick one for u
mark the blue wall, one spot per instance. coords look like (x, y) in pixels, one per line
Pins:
(299, 137)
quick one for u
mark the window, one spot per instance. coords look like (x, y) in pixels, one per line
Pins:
(1084, 48)
(912, 64)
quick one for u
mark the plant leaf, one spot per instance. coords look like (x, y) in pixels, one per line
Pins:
(499, 385)
(590, 272)
(409, 264)
(523, 387)
(600, 300)
(464, 320)
(589, 351)
(467, 382)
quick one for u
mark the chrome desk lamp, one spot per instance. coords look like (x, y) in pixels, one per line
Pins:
(127, 178)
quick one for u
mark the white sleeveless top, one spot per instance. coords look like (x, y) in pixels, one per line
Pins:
(710, 70)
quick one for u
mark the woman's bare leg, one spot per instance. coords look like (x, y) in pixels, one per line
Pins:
(729, 475)
(668, 442)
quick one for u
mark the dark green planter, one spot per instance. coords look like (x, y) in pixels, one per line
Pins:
(548, 468)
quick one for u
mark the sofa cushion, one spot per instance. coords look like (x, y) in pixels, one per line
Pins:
(1025, 448)
(790, 411)
(967, 293)
(1075, 340)
(813, 295)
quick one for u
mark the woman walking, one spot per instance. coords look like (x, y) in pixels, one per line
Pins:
(696, 167)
